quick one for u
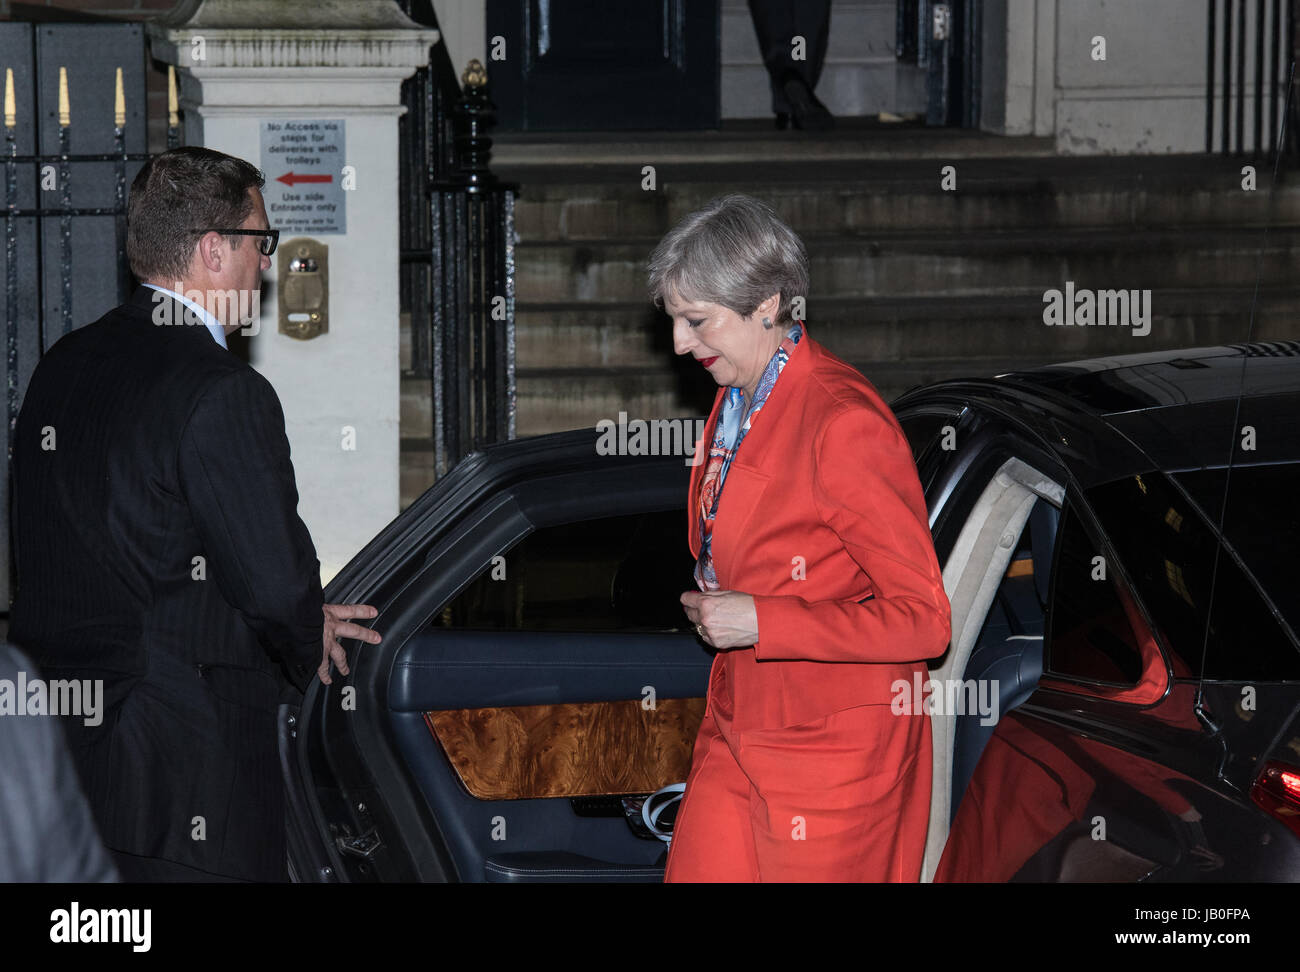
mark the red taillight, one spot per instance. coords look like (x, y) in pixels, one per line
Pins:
(1277, 790)
(1291, 782)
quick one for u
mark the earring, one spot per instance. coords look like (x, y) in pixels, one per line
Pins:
(767, 323)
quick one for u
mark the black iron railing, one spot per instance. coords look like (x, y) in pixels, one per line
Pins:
(75, 117)
(457, 272)
(1249, 51)
(61, 164)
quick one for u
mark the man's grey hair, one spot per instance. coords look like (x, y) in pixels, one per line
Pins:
(735, 252)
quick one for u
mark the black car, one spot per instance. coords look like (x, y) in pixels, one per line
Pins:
(1097, 717)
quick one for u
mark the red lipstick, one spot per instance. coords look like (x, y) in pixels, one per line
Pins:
(707, 361)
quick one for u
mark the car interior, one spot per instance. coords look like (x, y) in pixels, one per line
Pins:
(542, 705)
(539, 705)
(996, 594)
(1008, 653)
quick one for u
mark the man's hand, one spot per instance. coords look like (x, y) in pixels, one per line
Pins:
(728, 618)
(338, 625)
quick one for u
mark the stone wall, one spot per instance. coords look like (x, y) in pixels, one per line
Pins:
(1107, 78)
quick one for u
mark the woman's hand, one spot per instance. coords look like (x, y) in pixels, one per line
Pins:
(728, 618)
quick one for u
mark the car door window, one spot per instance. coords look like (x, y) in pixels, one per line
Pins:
(1097, 640)
(1168, 548)
(619, 573)
(922, 429)
(925, 432)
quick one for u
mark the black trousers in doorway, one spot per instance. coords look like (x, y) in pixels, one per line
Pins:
(777, 23)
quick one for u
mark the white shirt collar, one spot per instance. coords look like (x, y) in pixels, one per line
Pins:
(214, 326)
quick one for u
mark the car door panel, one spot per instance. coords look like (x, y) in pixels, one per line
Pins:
(451, 669)
(377, 797)
(479, 832)
(523, 713)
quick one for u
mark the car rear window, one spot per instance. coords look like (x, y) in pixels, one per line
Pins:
(1262, 523)
(1168, 546)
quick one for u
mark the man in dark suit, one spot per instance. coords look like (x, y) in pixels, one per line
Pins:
(778, 23)
(157, 541)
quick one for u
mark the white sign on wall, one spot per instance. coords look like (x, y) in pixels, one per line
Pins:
(303, 164)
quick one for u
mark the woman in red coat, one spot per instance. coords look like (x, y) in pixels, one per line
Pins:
(819, 584)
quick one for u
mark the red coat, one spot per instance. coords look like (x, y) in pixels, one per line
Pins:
(825, 473)
(821, 508)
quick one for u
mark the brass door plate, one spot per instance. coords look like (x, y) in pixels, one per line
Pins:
(304, 287)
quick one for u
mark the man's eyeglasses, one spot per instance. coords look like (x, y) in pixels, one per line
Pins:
(270, 238)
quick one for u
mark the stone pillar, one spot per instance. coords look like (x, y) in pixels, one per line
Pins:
(1019, 67)
(243, 63)
(1148, 95)
(1099, 77)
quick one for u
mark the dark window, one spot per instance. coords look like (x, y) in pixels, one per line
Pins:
(1090, 636)
(1168, 549)
(623, 573)
(1261, 522)
(923, 430)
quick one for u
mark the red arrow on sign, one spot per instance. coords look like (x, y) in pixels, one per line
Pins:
(291, 178)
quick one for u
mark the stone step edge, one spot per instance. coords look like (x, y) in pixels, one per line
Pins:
(944, 237)
(930, 304)
(518, 155)
(576, 188)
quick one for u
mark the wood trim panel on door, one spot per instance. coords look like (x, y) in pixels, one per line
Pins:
(569, 750)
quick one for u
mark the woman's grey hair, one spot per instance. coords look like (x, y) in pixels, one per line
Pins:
(735, 252)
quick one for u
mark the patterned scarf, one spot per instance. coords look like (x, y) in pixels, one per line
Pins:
(729, 433)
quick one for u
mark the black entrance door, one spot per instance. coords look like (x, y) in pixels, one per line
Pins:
(593, 65)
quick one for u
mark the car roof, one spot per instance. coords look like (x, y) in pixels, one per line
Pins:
(1170, 410)
(1103, 418)
(1129, 382)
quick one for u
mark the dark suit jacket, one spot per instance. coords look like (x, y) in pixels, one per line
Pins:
(141, 448)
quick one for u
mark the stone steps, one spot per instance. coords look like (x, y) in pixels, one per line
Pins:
(910, 284)
(905, 344)
(637, 336)
(589, 203)
(1004, 263)
(578, 363)
(747, 143)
